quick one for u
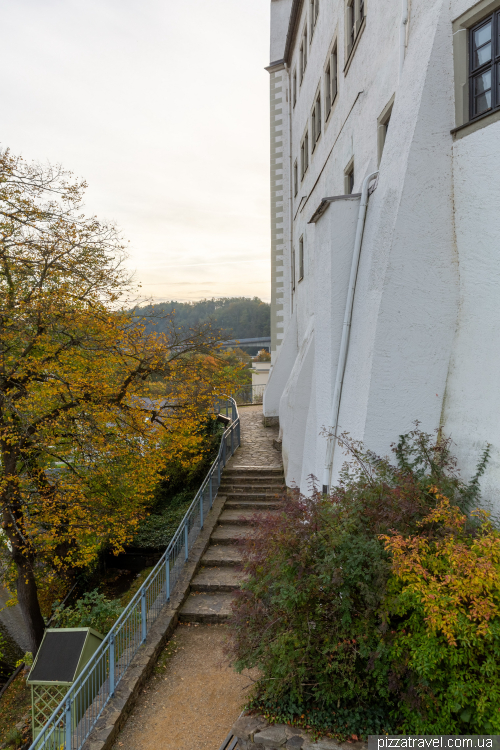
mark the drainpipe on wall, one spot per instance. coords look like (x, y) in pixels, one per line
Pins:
(402, 37)
(290, 192)
(344, 343)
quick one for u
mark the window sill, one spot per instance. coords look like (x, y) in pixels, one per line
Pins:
(355, 46)
(471, 127)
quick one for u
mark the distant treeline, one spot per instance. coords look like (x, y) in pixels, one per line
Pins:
(238, 317)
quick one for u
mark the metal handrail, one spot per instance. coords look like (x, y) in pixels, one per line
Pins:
(78, 712)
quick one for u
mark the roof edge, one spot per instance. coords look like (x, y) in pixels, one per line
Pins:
(276, 65)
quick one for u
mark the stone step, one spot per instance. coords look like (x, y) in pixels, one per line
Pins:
(257, 481)
(230, 534)
(253, 504)
(251, 495)
(217, 579)
(208, 608)
(254, 471)
(239, 489)
(223, 554)
(244, 517)
(266, 489)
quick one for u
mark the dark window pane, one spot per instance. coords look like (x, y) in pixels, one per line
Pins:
(482, 92)
(481, 43)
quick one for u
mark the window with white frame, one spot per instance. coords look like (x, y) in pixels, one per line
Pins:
(303, 53)
(304, 155)
(383, 127)
(316, 120)
(295, 178)
(301, 258)
(354, 21)
(476, 50)
(331, 80)
(314, 13)
(294, 87)
(293, 269)
(349, 178)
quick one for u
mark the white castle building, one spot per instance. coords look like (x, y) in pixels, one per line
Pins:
(386, 287)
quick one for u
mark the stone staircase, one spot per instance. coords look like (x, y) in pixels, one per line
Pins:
(248, 491)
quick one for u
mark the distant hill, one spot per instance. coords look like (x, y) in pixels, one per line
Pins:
(238, 317)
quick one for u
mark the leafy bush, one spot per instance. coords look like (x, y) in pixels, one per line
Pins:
(313, 615)
(444, 601)
(93, 610)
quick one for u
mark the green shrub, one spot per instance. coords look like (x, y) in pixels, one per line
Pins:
(93, 610)
(443, 609)
(312, 616)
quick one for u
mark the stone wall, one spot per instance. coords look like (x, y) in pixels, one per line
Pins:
(254, 733)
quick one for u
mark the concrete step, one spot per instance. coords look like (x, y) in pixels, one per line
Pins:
(267, 489)
(244, 517)
(251, 495)
(217, 579)
(222, 555)
(239, 479)
(252, 504)
(208, 608)
(230, 534)
(254, 471)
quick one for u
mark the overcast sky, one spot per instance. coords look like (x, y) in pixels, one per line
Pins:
(162, 107)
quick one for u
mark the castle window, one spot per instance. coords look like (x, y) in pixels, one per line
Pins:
(304, 155)
(355, 18)
(484, 62)
(383, 127)
(301, 258)
(314, 13)
(303, 54)
(331, 81)
(349, 178)
(476, 51)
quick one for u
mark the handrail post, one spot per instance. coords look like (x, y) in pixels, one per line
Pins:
(210, 492)
(143, 614)
(218, 471)
(68, 732)
(111, 664)
(224, 450)
(201, 509)
(167, 577)
(238, 432)
(186, 534)
(232, 439)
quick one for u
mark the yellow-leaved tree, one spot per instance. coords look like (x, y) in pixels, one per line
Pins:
(82, 441)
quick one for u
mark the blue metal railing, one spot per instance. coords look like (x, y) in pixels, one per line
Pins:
(77, 714)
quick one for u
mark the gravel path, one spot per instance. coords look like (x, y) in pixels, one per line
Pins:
(192, 700)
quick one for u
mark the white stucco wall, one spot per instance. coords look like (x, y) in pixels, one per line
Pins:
(426, 315)
(472, 399)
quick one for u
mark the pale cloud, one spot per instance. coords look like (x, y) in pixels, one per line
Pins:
(163, 108)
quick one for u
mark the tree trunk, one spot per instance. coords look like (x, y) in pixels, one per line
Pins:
(21, 554)
(28, 601)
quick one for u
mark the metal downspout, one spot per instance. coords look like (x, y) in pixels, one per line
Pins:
(344, 343)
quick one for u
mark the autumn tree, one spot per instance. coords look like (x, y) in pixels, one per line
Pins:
(81, 437)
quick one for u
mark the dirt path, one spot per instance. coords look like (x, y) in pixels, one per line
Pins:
(192, 700)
